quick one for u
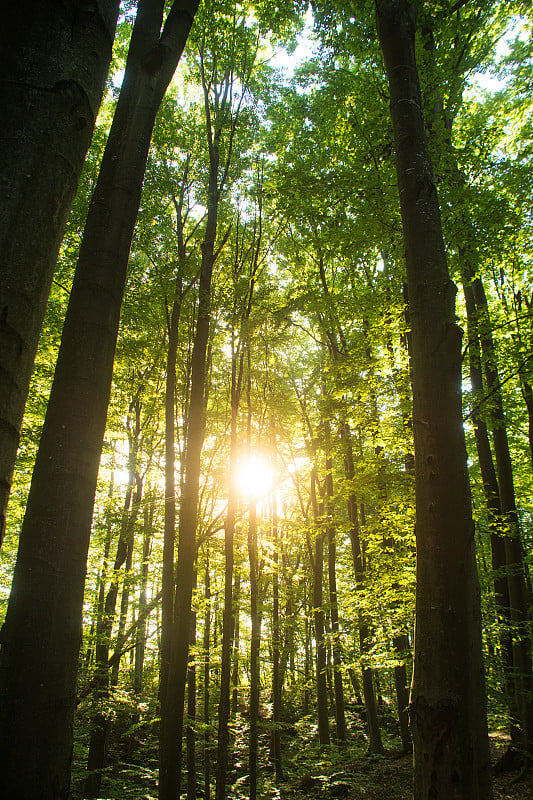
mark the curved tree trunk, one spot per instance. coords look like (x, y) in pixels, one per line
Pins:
(55, 59)
(43, 621)
(448, 702)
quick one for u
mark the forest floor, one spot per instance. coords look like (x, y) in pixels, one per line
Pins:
(389, 777)
(310, 771)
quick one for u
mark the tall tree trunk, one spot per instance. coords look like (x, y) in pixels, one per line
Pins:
(494, 513)
(207, 678)
(276, 643)
(519, 600)
(374, 734)
(307, 656)
(191, 713)
(173, 323)
(448, 702)
(236, 634)
(55, 59)
(140, 635)
(400, 644)
(100, 721)
(170, 746)
(228, 622)
(255, 642)
(340, 719)
(43, 621)
(318, 617)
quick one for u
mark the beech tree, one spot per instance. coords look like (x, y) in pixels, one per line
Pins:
(448, 694)
(44, 615)
(55, 61)
(278, 319)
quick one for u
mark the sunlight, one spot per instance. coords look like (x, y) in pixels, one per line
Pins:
(254, 477)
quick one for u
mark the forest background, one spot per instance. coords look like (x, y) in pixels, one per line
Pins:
(303, 590)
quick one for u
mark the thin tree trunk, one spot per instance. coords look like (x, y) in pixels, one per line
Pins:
(255, 642)
(173, 323)
(207, 678)
(191, 713)
(307, 657)
(400, 644)
(235, 658)
(519, 600)
(100, 722)
(448, 702)
(318, 617)
(55, 59)
(374, 734)
(43, 621)
(494, 513)
(340, 719)
(140, 634)
(276, 641)
(228, 621)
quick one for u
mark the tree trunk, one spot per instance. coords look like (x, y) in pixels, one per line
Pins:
(235, 658)
(170, 744)
(494, 513)
(207, 665)
(400, 644)
(100, 722)
(318, 617)
(169, 537)
(374, 734)
(140, 634)
(191, 714)
(43, 621)
(448, 702)
(340, 719)
(255, 642)
(519, 600)
(276, 642)
(228, 621)
(55, 59)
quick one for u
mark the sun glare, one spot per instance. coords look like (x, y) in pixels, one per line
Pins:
(254, 477)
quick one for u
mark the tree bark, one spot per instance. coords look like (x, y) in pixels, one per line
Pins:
(228, 621)
(318, 618)
(494, 512)
(170, 744)
(55, 59)
(519, 600)
(400, 644)
(207, 670)
(191, 713)
(140, 633)
(43, 621)
(276, 647)
(448, 702)
(255, 643)
(100, 722)
(374, 734)
(340, 719)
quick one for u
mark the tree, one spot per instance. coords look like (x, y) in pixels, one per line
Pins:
(55, 61)
(43, 621)
(448, 706)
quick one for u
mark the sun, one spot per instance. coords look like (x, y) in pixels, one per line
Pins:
(254, 477)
